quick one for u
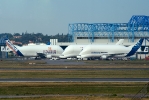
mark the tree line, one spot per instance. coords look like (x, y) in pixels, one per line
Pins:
(26, 37)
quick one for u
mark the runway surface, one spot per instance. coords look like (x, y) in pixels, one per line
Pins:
(76, 80)
(72, 62)
(54, 62)
(65, 62)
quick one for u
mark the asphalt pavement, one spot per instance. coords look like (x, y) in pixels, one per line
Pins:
(75, 80)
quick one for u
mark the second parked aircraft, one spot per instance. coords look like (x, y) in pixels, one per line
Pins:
(72, 51)
(105, 51)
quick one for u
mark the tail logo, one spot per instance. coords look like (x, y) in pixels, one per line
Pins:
(13, 48)
(135, 47)
(138, 44)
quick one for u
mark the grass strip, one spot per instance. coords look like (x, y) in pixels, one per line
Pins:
(74, 74)
(69, 88)
(73, 98)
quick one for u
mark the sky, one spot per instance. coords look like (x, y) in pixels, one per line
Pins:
(53, 16)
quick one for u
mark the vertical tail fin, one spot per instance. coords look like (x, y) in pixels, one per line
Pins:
(13, 48)
(135, 47)
(120, 42)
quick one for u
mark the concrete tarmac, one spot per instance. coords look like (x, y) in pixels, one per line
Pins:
(64, 62)
(73, 62)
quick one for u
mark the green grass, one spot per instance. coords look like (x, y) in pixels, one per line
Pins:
(74, 74)
(72, 98)
(69, 88)
(70, 91)
(72, 88)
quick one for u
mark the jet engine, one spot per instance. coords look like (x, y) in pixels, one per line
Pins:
(103, 57)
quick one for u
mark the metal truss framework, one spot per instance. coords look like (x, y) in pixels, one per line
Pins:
(2, 40)
(137, 27)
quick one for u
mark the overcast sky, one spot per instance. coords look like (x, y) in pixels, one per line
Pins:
(53, 16)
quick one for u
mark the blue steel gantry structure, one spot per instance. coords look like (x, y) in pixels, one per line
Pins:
(137, 27)
(2, 40)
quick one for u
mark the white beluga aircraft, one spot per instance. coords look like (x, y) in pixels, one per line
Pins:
(42, 51)
(72, 51)
(106, 51)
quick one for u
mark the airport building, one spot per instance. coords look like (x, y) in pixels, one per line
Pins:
(106, 33)
(3, 46)
(109, 33)
(103, 33)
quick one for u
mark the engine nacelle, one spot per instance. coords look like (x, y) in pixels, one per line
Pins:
(48, 56)
(103, 57)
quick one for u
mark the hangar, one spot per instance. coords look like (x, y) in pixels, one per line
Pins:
(109, 33)
(104, 33)
(99, 33)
